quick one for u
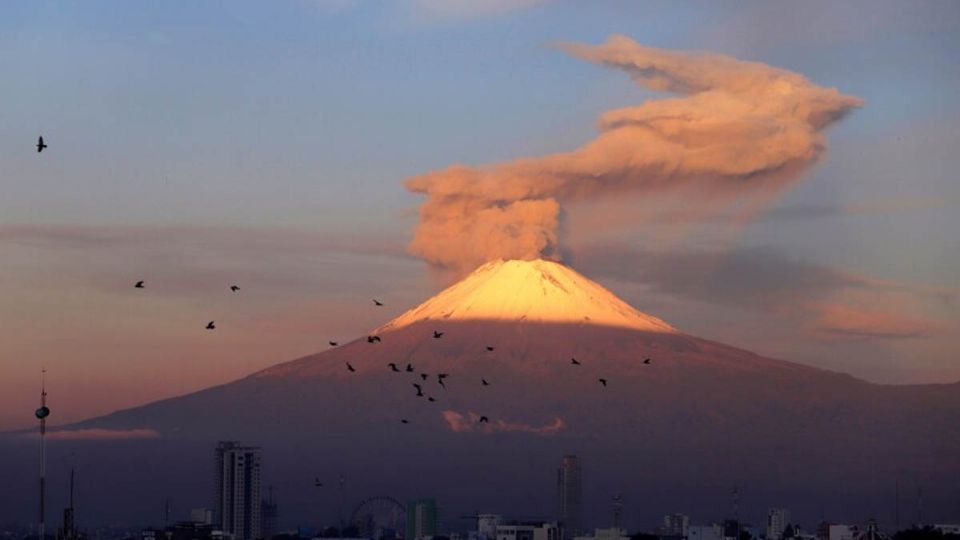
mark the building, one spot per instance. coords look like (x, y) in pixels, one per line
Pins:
(269, 518)
(675, 525)
(569, 477)
(613, 533)
(841, 532)
(238, 512)
(487, 525)
(777, 521)
(704, 532)
(519, 530)
(421, 519)
(201, 516)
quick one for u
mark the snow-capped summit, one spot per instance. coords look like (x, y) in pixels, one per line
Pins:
(537, 291)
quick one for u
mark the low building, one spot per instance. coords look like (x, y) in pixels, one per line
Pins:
(529, 531)
(705, 532)
(614, 533)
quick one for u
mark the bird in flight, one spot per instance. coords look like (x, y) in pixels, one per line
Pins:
(424, 376)
(484, 381)
(574, 362)
(409, 368)
(211, 326)
(489, 348)
(419, 389)
(603, 381)
(377, 302)
(350, 367)
(437, 335)
(234, 288)
(646, 360)
(483, 420)
(393, 367)
(373, 339)
(431, 399)
(332, 343)
(138, 285)
(317, 482)
(40, 144)
(440, 378)
(404, 421)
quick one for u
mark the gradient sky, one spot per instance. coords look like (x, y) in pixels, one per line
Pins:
(196, 145)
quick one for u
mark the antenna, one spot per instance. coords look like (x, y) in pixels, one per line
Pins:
(42, 413)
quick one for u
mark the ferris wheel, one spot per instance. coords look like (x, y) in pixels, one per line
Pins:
(379, 517)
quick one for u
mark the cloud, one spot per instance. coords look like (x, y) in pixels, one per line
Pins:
(847, 321)
(739, 131)
(823, 300)
(471, 422)
(99, 434)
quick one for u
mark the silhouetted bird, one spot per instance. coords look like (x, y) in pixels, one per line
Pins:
(484, 382)
(377, 302)
(404, 421)
(490, 349)
(393, 367)
(317, 482)
(409, 368)
(419, 389)
(234, 288)
(646, 360)
(442, 376)
(40, 144)
(424, 376)
(332, 343)
(437, 335)
(349, 367)
(442, 383)
(574, 362)
(603, 381)
(431, 399)
(373, 339)
(484, 420)
(138, 285)
(211, 326)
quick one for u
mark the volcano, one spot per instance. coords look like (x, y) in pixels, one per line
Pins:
(680, 422)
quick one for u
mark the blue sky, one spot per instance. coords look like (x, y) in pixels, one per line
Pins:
(200, 140)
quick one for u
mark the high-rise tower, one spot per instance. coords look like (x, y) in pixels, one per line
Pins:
(568, 496)
(237, 511)
(42, 413)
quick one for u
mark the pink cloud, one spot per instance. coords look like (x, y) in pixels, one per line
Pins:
(471, 422)
(853, 322)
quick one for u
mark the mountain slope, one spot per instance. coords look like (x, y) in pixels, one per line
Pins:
(672, 434)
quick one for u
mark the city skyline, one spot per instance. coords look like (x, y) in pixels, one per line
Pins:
(479, 270)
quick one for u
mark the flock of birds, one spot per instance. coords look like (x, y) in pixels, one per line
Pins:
(395, 368)
(141, 284)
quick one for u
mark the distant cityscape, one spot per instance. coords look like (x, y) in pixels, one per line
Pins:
(241, 511)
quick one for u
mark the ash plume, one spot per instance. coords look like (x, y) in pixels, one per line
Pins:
(735, 131)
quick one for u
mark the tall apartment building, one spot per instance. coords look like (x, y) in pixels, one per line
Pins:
(568, 496)
(237, 511)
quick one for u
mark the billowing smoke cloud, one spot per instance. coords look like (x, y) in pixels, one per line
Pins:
(737, 128)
